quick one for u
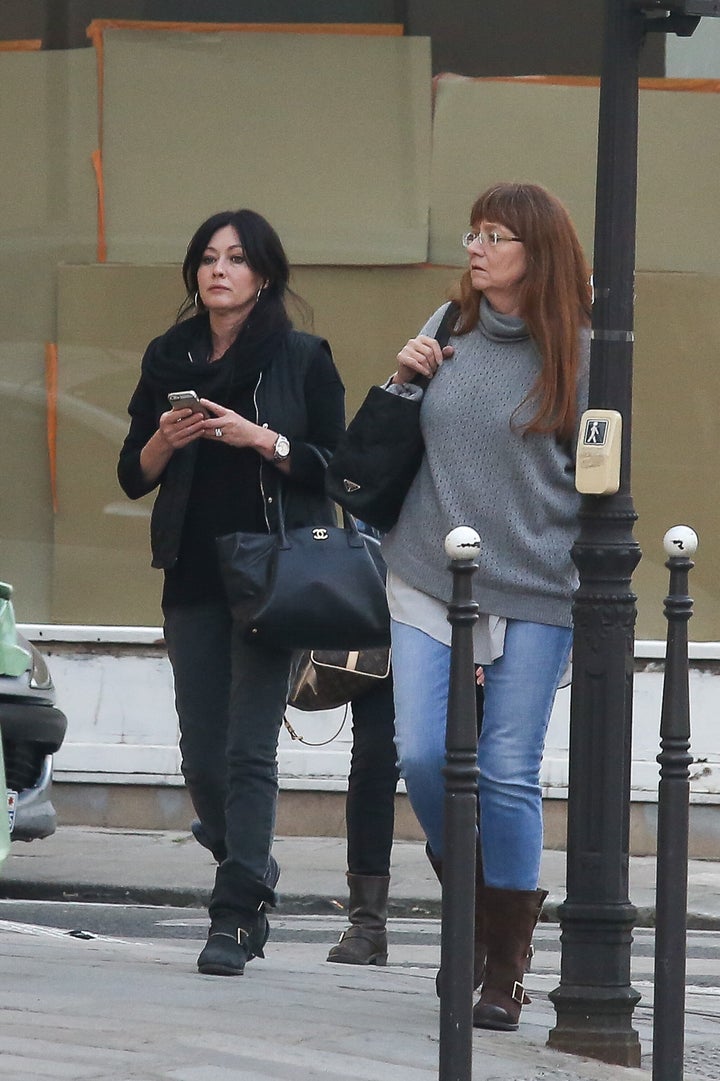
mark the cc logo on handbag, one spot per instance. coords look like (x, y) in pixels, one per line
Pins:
(320, 534)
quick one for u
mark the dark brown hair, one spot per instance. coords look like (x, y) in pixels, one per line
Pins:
(265, 255)
(555, 297)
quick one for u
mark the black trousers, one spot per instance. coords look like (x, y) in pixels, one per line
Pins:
(372, 781)
(373, 777)
(230, 697)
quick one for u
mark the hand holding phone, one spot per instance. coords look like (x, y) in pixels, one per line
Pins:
(187, 399)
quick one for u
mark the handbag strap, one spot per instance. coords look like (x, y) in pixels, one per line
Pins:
(323, 742)
(442, 337)
(355, 538)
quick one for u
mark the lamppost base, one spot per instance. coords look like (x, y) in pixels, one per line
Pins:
(595, 1026)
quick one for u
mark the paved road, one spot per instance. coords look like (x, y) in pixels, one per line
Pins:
(85, 970)
(413, 942)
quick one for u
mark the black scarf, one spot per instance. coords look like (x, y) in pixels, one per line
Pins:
(178, 360)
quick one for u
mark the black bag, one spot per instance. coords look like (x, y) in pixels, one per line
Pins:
(376, 460)
(316, 587)
(325, 679)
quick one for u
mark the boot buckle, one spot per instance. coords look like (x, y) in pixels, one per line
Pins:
(518, 993)
(242, 936)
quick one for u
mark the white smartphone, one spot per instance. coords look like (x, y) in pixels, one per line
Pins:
(187, 399)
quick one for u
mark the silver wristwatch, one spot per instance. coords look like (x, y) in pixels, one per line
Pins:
(281, 450)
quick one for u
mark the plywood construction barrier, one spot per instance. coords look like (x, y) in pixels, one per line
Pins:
(545, 130)
(332, 135)
(328, 135)
(107, 314)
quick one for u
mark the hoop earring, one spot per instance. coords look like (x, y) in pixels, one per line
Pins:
(196, 299)
(259, 294)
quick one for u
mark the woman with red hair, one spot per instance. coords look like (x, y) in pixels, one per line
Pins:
(499, 420)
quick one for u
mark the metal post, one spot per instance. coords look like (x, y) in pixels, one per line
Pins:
(460, 772)
(673, 818)
(595, 1001)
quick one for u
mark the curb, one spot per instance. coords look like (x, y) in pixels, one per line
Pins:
(288, 904)
(181, 897)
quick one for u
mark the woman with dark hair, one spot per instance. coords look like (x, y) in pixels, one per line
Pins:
(499, 421)
(268, 398)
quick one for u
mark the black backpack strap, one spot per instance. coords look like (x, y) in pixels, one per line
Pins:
(442, 336)
(447, 324)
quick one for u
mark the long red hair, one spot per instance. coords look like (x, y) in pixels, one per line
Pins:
(555, 297)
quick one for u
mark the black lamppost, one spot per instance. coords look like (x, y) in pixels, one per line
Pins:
(595, 1000)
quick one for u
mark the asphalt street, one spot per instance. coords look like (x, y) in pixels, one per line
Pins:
(128, 1004)
(110, 992)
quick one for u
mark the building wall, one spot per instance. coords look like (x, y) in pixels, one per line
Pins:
(470, 37)
(75, 549)
(120, 763)
(372, 233)
(520, 37)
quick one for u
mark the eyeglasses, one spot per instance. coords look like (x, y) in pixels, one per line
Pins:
(488, 239)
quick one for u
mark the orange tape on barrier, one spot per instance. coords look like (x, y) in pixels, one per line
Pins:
(98, 26)
(694, 86)
(96, 158)
(30, 46)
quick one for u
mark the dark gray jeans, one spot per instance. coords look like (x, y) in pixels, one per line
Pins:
(230, 696)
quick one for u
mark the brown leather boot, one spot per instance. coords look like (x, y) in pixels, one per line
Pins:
(480, 948)
(511, 916)
(365, 941)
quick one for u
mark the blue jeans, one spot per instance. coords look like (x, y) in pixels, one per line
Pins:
(520, 690)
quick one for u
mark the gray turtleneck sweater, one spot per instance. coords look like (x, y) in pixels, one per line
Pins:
(517, 490)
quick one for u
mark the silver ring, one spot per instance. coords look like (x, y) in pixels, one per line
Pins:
(218, 433)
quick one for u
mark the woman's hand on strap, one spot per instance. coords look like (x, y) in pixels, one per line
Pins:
(420, 356)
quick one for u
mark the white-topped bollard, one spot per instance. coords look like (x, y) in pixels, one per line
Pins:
(673, 811)
(681, 540)
(462, 543)
(460, 809)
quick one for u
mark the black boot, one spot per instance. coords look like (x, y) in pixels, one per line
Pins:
(511, 916)
(365, 941)
(234, 939)
(239, 927)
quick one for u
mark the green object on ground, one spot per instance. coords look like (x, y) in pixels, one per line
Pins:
(13, 658)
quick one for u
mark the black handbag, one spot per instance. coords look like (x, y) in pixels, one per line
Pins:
(315, 587)
(376, 460)
(325, 679)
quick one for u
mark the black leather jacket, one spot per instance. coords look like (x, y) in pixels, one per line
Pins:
(283, 403)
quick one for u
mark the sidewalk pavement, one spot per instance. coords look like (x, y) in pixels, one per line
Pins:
(112, 1009)
(170, 868)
